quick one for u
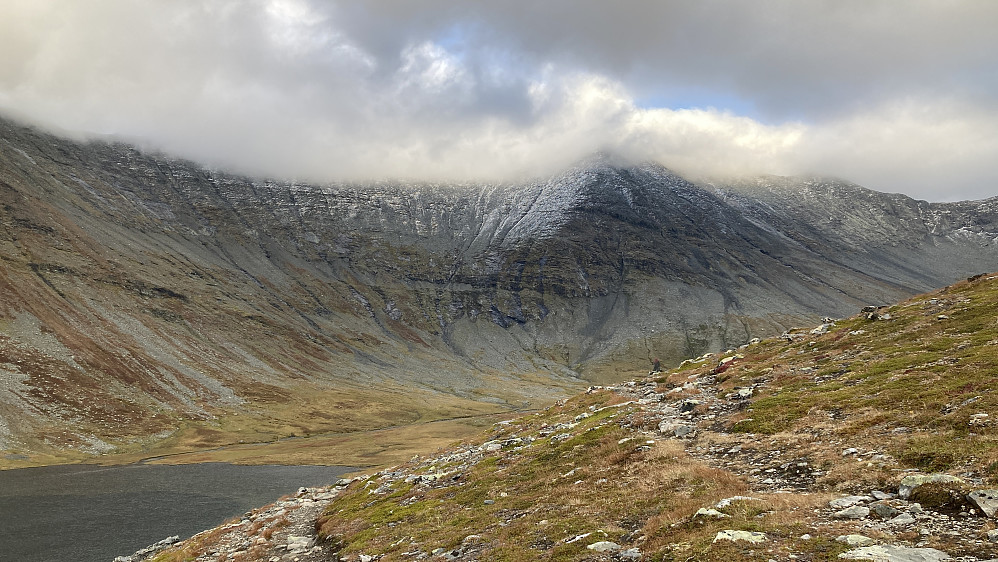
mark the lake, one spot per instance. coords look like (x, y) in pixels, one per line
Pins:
(94, 513)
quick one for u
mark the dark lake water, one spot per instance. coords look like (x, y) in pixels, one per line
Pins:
(84, 513)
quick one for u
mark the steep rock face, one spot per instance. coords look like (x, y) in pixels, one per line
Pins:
(138, 288)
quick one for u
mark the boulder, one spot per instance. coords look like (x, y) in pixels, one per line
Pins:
(604, 546)
(884, 553)
(677, 430)
(854, 512)
(856, 540)
(848, 501)
(823, 329)
(903, 520)
(985, 500)
(883, 510)
(298, 544)
(688, 405)
(708, 512)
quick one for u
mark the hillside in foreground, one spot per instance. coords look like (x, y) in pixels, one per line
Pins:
(870, 437)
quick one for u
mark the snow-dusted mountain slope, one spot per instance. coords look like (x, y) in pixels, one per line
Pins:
(138, 288)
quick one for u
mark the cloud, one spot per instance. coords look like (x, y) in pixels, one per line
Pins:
(896, 99)
(937, 149)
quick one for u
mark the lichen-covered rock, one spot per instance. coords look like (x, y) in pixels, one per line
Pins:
(748, 536)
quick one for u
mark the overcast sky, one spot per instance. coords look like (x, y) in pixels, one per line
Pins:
(898, 96)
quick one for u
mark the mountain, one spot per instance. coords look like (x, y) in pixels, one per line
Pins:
(867, 438)
(148, 301)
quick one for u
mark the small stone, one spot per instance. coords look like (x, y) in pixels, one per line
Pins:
(993, 535)
(604, 546)
(706, 512)
(854, 512)
(903, 520)
(749, 536)
(878, 495)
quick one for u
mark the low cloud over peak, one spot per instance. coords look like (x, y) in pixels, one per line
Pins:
(896, 99)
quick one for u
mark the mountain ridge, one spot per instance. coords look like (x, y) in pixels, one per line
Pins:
(177, 295)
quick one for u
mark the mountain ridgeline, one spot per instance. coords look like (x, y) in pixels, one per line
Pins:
(141, 291)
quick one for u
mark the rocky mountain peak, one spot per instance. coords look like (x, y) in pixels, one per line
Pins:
(161, 291)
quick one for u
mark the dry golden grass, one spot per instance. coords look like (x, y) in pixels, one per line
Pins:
(368, 449)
